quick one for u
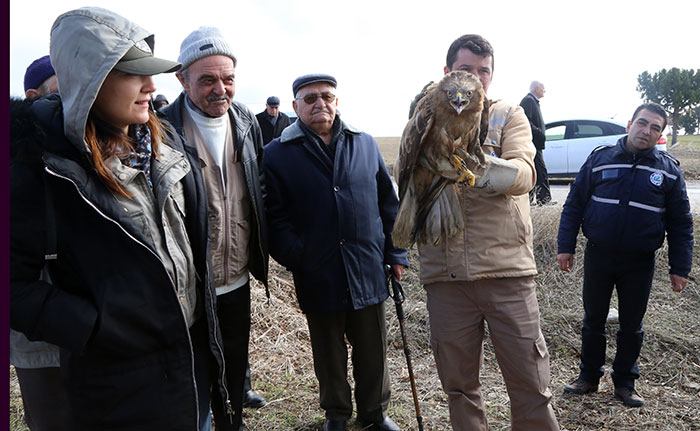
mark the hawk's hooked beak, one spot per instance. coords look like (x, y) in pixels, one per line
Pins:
(459, 103)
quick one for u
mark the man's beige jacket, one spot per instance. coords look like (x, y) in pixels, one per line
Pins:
(497, 239)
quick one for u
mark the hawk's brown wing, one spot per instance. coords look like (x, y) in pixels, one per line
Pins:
(412, 139)
(484, 125)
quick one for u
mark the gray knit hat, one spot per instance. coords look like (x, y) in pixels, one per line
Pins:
(203, 42)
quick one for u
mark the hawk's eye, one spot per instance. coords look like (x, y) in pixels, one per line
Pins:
(469, 93)
(450, 93)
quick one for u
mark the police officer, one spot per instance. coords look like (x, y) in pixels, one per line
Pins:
(626, 198)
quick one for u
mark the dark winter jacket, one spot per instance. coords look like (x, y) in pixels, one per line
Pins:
(22, 126)
(331, 222)
(628, 201)
(250, 147)
(269, 131)
(111, 306)
(531, 106)
(25, 353)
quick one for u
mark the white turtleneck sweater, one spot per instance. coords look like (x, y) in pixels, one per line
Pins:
(213, 131)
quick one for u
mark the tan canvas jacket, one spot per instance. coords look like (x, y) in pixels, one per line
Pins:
(497, 239)
(229, 209)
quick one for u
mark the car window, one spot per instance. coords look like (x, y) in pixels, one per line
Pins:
(586, 130)
(616, 130)
(556, 132)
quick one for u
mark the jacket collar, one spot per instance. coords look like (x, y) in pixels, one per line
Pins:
(240, 116)
(294, 131)
(621, 150)
(533, 97)
(47, 112)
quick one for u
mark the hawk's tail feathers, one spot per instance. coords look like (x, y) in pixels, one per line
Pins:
(445, 218)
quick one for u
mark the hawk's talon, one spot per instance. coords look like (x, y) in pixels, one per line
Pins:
(458, 163)
(468, 178)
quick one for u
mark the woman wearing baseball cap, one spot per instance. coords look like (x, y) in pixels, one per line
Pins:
(112, 201)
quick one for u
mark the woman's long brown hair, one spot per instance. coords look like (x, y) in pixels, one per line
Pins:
(104, 141)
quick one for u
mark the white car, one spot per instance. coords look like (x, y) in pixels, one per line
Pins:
(570, 142)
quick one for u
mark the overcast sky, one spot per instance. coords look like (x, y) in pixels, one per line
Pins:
(588, 54)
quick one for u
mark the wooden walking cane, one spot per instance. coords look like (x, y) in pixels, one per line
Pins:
(398, 296)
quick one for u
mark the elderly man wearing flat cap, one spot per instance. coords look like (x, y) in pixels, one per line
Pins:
(331, 209)
(229, 144)
(271, 120)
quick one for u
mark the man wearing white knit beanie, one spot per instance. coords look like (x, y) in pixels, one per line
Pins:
(228, 140)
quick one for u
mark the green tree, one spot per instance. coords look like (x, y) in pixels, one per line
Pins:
(677, 90)
(690, 121)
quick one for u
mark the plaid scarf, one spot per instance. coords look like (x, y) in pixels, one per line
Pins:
(140, 156)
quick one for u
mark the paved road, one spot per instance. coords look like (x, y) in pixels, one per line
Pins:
(560, 190)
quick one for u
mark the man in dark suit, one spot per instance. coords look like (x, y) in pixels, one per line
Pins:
(330, 220)
(531, 106)
(271, 120)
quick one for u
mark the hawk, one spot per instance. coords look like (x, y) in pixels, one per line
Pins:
(443, 136)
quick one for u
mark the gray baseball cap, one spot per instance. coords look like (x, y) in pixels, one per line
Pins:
(139, 60)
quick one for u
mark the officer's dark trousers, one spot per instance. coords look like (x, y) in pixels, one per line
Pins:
(631, 274)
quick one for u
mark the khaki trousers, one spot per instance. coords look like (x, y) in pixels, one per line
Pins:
(458, 310)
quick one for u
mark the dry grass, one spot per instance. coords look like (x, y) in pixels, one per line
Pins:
(282, 362)
(670, 357)
(688, 152)
(389, 147)
(670, 362)
(16, 411)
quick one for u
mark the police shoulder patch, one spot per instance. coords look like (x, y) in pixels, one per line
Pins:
(670, 157)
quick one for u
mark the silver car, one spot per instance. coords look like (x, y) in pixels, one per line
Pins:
(570, 142)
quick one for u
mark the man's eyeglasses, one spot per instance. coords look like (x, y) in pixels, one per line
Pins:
(311, 98)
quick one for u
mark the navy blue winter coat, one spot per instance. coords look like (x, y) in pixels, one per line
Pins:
(331, 226)
(628, 201)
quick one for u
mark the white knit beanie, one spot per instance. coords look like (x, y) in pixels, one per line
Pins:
(203, 42)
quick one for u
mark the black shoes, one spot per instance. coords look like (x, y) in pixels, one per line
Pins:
(253, 400)
(385, 425)
(629, 397)
(334, 425)
(581, 387)
(340, 425)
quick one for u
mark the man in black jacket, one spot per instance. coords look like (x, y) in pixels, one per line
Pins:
(271, 120)
(36, 362)
(531, 105)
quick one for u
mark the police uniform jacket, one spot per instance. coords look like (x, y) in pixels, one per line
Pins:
(630, 201)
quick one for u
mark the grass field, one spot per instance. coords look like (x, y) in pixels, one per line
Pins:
(282, 363)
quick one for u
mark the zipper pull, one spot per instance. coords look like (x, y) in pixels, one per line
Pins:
(229, 411)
